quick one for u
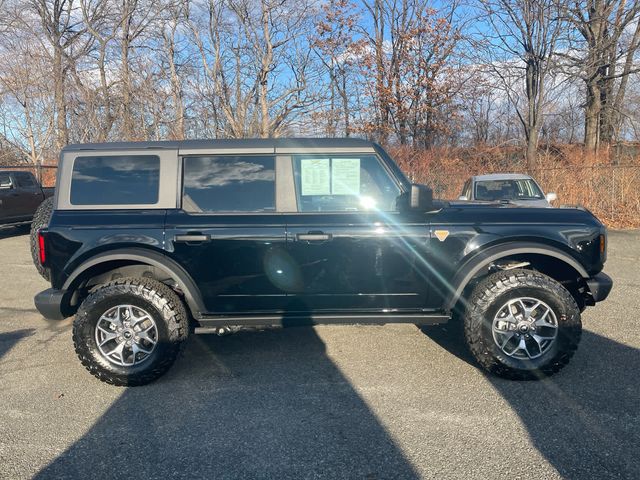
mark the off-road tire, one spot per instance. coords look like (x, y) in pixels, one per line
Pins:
(159, 301)
(493, 292)
(40, 220)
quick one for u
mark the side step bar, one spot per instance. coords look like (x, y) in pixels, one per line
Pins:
(212, 324)
(17, 224)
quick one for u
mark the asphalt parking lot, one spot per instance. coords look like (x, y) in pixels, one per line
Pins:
(363, 402)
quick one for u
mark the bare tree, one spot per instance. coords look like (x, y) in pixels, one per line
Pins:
(103, 26)
(257, 61)
(529, 31)
(480, 104)
(135, 16)
(29, 113)
(604, 44)
(172, 17)
(398, 71)
(62, 30)
(337, 50)
(406, 58)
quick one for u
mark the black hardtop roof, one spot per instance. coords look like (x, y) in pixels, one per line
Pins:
(227, 143)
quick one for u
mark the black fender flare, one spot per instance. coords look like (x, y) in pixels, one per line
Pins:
(484, 258)
(149, 257)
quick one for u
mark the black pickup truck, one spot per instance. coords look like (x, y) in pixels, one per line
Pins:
(20, 197)
(149, 242)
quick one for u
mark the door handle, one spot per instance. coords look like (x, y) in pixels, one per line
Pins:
(192, 238)
(314, 237)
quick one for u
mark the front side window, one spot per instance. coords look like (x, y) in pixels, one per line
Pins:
(116, 180)
(343, 183)
(229, 184)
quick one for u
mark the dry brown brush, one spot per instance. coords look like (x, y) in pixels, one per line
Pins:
(608, 183)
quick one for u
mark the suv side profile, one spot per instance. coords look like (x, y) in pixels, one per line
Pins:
(149, 242)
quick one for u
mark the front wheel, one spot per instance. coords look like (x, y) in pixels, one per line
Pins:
(522, 325)
(129, 332)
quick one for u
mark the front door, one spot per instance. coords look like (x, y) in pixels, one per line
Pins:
(228, 235)
(350, 247)
(9, 201)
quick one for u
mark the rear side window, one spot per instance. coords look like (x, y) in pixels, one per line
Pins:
(116, 180)
(229, 184)
(25, 180)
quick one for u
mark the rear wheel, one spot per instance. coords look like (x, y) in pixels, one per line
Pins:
(40, 220)
(521, 324)
(129, 332)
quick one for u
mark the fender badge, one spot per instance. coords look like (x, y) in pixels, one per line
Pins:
(441, 234)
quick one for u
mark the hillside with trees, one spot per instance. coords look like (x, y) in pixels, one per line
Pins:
(545, 86)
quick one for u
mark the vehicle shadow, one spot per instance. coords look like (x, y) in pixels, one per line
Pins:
(9, 339)
(263, 403)
(583, 420)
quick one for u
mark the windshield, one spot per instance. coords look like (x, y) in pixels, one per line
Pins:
(522, 189)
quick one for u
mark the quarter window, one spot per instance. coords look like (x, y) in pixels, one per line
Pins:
(343, 183)
(116, 180)
(229, 184)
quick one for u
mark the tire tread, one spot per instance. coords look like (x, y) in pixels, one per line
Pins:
(163, 298)
(487, 291)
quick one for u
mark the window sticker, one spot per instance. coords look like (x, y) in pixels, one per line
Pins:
(345, 176)
(315, 178)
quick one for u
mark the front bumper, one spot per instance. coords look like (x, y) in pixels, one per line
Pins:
(599, 286)
(52, 304)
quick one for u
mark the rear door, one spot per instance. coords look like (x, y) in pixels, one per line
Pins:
(227, 233)
(29, 193)
(350, 248)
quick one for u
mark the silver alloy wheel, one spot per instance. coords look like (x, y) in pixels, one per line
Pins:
(126, 335)
(525, 328)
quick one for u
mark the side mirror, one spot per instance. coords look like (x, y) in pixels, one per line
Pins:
(551, 197)
(463, 197)
(6, 184)
(421, 197)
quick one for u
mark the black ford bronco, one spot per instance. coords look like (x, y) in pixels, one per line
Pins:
(149, 242)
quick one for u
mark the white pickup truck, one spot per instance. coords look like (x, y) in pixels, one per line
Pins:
(514, 188)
